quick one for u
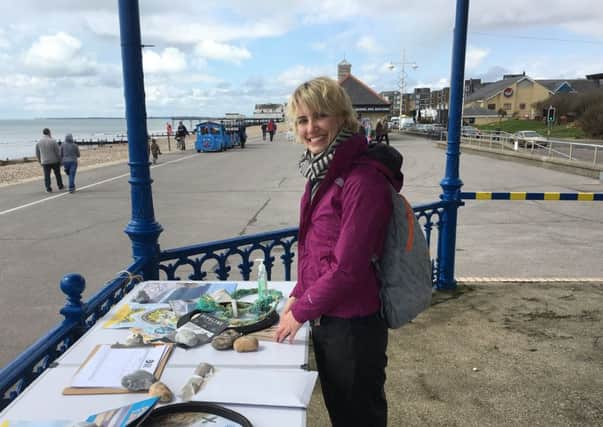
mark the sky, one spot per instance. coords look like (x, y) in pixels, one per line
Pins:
(62, 58)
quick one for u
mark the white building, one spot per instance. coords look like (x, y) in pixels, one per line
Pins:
(269, 111)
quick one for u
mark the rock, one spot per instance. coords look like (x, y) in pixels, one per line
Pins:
(187, 337)
(192, 386)
(225, 340)
(204, 370)
(138, 381)
(162, 391)
(245, 344)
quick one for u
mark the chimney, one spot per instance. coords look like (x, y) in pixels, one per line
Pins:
(344, 69)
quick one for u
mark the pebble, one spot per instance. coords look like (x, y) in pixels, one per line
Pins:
(225, 340)
(134, 339)
(162, 391)
(192, 386)
(204, 369)
(138, 381)
(187, 337)
(246, 344)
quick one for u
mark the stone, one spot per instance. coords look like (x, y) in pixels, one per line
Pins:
(225, 340)
(162, 391)
(204, 370)
(246, 344)
(187, 337)
(192, 386)
(139, 380)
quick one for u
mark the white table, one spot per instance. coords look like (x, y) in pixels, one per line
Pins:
(43, 399)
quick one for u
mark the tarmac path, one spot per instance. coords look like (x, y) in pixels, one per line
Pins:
(210, 196)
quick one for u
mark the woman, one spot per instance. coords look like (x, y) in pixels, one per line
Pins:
(70, 152)
(344, 216)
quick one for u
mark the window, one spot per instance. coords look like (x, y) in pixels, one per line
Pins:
(522, 106)
(507, 106)
(491, 106)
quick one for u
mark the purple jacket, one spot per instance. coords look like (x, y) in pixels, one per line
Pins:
(339, 232)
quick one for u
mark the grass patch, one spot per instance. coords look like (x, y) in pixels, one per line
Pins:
(511, 126)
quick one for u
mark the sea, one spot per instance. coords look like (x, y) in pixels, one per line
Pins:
(18, 138)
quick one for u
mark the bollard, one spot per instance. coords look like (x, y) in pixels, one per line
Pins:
(73, 285)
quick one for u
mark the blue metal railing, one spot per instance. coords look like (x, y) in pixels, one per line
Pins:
(79, 316)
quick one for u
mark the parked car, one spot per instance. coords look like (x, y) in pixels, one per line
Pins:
(529, 137)
(470, 132)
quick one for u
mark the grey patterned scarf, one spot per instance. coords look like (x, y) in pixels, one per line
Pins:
(315, 166)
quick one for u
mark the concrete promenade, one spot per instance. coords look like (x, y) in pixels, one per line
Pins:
(536, 349)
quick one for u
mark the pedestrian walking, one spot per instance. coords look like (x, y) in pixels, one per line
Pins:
(155, 151)
(181, 134)
(70, 152)
(264, 126)
(49, 156)
(385, 131)
(271, 128)
(345, 211)
(379, 131)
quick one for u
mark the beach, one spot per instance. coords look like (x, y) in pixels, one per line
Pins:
(95, 156)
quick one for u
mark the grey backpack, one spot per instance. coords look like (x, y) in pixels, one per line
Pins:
(405, 267)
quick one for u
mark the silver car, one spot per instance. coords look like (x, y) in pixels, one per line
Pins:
(528, 138)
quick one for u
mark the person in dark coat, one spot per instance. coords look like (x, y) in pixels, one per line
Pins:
(344, 215)
(264, 127)
(271, 128)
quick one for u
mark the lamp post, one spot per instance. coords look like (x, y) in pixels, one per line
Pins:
(402, 77)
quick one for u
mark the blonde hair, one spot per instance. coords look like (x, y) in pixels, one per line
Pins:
(326, 96)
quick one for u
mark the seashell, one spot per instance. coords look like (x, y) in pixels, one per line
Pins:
(246, 344)
(225, 340)
(162, 391)
(138, 381)
(134, 340)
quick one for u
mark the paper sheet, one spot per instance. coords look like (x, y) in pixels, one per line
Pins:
(109, 365)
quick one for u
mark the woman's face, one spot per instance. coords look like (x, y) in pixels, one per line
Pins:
(316, 130)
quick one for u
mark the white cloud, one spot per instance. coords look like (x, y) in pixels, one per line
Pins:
(221, 51)
(368, 44)
(170, 60)
(475, 56)
(58, 55)
(298, 74)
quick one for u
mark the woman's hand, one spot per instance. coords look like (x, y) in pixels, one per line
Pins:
(288, 326)
(288, 305)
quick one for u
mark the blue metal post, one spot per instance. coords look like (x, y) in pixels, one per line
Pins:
(143, 229)
(451, 183)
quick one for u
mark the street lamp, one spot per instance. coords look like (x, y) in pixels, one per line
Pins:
(402, 77)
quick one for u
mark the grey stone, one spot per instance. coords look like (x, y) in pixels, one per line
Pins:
(204, 370)
(187, 337)
(192, 386)
(225, 340)
(134, 340)
(138, 381)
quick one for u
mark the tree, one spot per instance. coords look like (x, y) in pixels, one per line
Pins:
(502, 113)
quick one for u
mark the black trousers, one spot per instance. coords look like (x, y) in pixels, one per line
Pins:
(351, 358)
(56, 168)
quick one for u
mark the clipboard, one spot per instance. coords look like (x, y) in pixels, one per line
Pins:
(76, 391)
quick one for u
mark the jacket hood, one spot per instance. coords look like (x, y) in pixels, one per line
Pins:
(69, 138)
(388, 161)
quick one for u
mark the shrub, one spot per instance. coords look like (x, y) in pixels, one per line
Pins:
(592, 119)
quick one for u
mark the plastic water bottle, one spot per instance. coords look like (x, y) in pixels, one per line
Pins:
(262, 283)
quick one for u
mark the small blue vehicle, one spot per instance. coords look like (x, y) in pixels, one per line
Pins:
(211, 136)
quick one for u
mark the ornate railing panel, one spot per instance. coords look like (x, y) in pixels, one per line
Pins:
(79, 317)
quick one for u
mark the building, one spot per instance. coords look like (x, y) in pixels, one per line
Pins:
(518, 94)
(439, 101)
(367, 103)
(422, 98)
(269, 111)
(393, 97)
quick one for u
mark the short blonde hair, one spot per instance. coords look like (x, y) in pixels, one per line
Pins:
(323, 95)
